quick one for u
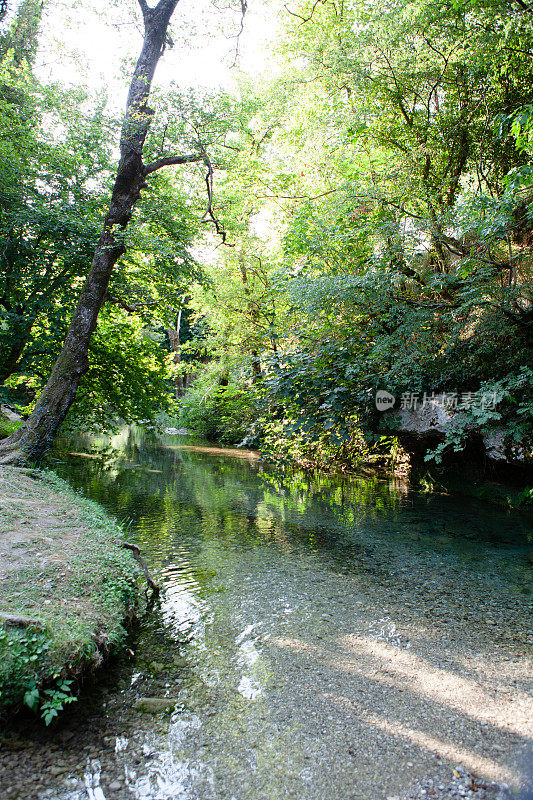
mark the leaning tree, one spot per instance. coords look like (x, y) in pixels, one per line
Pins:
(40, 429)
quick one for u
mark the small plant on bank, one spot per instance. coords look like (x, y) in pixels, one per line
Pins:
(49, 702)
(25, 652)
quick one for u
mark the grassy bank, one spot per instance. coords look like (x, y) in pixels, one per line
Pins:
(8, 426)
(73, 586)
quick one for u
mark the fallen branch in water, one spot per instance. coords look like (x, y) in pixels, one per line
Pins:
(136, 552)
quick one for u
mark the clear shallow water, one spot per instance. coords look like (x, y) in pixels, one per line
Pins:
(163, 487)
(292, 609)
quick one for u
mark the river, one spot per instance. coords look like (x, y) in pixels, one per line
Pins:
(317, 638)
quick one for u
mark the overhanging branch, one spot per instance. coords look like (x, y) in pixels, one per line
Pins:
(132, 308)
(209, 215)
(244, 8)
(170, 161)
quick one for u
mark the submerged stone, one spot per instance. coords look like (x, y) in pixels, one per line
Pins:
(156, 705)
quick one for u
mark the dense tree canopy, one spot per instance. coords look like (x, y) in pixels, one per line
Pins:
(370, 228)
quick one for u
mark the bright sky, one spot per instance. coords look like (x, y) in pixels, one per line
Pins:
(88, 42)
(96, 42)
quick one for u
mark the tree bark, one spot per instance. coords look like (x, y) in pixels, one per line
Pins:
(175, 343)
(30, 442)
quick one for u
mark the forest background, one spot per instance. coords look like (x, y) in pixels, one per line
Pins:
(370, 228)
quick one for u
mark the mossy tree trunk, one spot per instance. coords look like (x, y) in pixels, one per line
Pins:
(39, 431)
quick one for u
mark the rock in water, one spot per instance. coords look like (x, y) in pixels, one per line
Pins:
(156, 705)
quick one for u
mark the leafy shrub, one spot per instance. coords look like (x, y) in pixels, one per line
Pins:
(217, 412)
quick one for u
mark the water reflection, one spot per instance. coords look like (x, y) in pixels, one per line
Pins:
(316, 633)
(163, 486)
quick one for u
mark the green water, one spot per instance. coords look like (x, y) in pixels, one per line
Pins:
(175, 488)
(267, 580)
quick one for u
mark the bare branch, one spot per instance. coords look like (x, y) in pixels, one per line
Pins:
(297, 196)
(136, 552)
(192, 158)
(244, 9)
(130, 308)
(305, 19)
(209, 215)
(169, 161)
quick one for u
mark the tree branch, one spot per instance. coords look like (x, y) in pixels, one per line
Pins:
(136, 552)
(209, 215)
(244, 9)
(131, 309)
(305, 19)
(296, 196)
(169, 161)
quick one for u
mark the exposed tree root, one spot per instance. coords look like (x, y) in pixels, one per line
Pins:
(11, 451)
(18, 621)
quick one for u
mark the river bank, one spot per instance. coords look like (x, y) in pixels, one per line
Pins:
(315, 638)
(66, 589)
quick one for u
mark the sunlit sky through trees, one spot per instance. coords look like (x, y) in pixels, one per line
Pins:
(94, 44)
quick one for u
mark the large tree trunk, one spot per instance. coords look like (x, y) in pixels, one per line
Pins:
(37, 434)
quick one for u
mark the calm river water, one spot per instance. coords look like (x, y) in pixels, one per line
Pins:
(321, 638)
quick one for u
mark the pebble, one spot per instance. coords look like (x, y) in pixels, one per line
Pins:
(156, 705)
(461, 784)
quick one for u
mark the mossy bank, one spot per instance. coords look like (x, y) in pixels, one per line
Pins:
(67, 588)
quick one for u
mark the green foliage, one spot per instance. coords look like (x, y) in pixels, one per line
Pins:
(81, 613)
(396, 182)
(7, 426)
(376, 196)
(55, 172)
(225, 413)
(512, 416)
(50, 702)
(26, 651)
